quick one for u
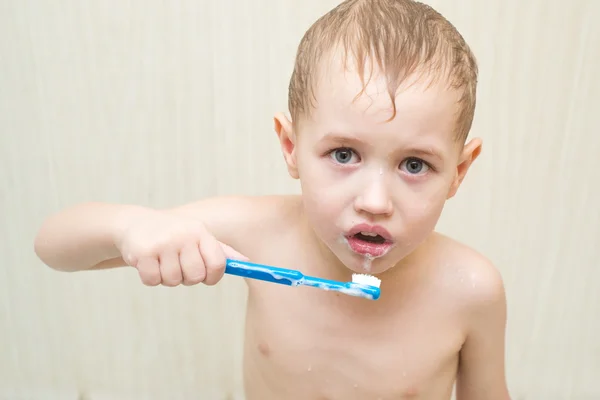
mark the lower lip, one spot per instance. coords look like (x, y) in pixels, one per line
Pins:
(366, 248)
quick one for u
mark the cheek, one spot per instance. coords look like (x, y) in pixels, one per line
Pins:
(324, 201)
(321, 203)
(426, 207)
(421, 211)
(319, 184)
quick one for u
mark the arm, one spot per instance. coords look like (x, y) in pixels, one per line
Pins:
(84, 237)
(481, 374)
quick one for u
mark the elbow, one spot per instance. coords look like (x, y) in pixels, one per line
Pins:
(39, 247)
(44, 250)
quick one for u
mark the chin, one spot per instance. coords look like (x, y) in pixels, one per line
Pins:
(359, 262)
(365, 263)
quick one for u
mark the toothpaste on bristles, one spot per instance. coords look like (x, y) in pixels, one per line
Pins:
(365, 279)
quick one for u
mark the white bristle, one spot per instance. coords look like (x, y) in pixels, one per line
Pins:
(365, 279)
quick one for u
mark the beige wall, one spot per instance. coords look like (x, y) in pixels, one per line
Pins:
(160, 103)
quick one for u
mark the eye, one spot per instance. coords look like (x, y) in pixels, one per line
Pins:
(343, 155)
(414, 166)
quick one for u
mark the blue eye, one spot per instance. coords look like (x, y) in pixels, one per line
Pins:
(342, 155)
(414, 166)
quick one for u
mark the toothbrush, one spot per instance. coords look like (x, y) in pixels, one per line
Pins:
(365, 286)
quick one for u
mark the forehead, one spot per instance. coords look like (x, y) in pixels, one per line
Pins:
(424, 108)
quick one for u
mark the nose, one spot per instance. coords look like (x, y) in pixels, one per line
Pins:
(375, 199)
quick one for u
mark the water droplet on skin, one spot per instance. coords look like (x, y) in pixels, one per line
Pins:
(356, 385)
(309, 368)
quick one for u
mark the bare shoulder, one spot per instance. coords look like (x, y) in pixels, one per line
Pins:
(240, 220)
(479, 281)
(479, 289)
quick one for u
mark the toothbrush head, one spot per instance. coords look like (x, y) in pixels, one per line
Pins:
(365, 279)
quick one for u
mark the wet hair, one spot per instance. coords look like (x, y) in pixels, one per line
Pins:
(403, 37)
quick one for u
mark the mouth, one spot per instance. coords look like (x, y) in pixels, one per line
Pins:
(369, 241)
(369, 237)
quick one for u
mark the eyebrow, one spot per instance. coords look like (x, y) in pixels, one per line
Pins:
(341, 137)
(425, 151)
(428, 151)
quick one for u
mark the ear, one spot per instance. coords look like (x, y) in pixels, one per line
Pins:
(469, 154)
(287, 140)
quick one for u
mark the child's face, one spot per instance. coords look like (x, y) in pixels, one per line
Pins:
(355, 168)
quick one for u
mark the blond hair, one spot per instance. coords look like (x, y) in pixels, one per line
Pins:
(402, 37)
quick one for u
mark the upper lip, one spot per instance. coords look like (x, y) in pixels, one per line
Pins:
(377, 229)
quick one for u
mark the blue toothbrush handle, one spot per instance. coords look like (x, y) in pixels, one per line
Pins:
(350, 288)
(263, 272)
(292, 277)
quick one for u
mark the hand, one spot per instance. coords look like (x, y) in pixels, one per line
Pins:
(172, 250)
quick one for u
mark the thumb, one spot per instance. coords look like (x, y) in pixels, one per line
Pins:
(232, 254)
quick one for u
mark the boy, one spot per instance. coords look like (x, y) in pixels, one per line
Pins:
(381, 99)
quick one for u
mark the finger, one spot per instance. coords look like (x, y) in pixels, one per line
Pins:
(149, 271)
(130, 260)
(231, 253)
(170, 270)
(192, 266)
(214, 260)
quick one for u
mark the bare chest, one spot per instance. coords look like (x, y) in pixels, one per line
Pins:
(300, 345)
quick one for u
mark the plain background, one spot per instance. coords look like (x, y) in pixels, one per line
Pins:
(161, 103)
